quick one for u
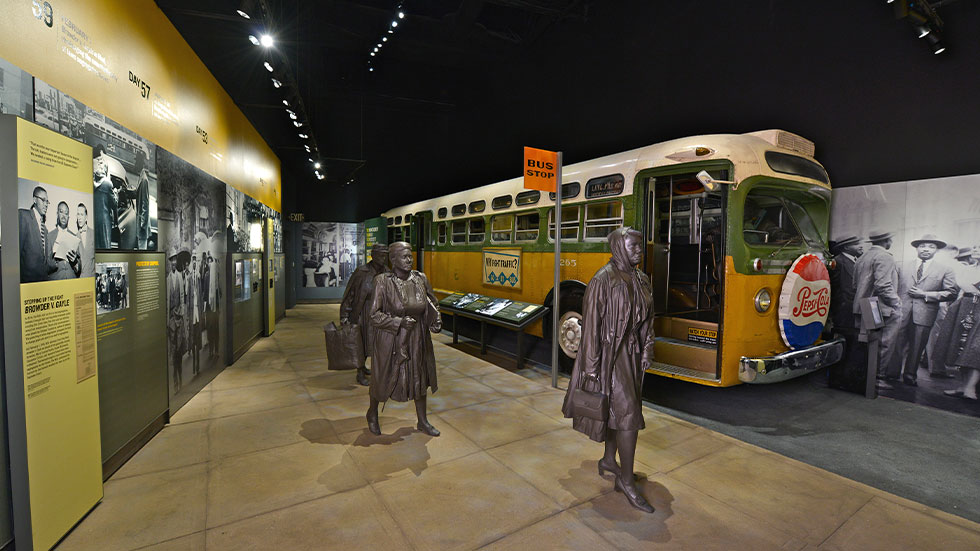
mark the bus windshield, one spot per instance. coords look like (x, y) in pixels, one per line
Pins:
(771, 218)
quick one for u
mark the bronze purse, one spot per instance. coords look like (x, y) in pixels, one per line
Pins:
(588, 401)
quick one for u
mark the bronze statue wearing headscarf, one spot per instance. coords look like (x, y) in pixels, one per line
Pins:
(403, 310)
(356, 304)
(616, 349)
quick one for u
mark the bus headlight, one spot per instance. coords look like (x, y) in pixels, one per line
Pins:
(763, 300)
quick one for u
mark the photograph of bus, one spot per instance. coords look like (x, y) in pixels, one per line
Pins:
(724, 217)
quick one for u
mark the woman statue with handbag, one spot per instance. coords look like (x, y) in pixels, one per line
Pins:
(603, 397)
(403, 311)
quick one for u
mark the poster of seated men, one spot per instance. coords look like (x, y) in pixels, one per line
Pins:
(124, 174)
(330, 253)
(111, 287)
(915, 246)
(56, 239)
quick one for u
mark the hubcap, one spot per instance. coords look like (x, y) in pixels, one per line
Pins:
(570, 333)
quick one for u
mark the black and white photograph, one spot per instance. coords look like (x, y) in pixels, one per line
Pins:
(330, 253)
(494, 306)
(245, 217)
(915, 246)
(124, 172)
(277, 232)
(465, 299)
(16, 91)
(111, 287)
(56, 240)
(191, 214)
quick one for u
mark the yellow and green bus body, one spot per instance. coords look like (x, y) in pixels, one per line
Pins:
(709, 254)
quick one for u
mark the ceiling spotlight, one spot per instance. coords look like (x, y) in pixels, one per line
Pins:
(292, 115)
(372, 54)
(253, 40)
(936, 43)
(394, 23)
(297, 124)
(286, 103)
(384, 39)
(371, 69)
(306, 147)
(316, 165)
(243, 14)
(304, 136)
(266, 40)
(276, 83)
(401, 15)
(267, 66)
(923, 31)
(390, 31)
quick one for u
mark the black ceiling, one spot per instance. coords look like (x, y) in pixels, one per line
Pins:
(462, 85)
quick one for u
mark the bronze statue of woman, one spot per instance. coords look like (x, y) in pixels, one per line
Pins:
(403, 311)
(616, 349)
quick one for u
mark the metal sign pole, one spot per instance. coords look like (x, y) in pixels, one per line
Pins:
(554, 303)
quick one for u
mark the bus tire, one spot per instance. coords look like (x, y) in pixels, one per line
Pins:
(570, 327)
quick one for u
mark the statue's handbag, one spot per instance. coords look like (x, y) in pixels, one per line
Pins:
(345, 350)
(588, 401)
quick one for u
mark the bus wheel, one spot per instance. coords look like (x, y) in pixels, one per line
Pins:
(569, 328)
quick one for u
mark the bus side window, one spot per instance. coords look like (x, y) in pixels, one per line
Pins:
(459, 231)
(601, 219)
(442, 233)
(502, 228)
(477, 230)
(527, 226)
(569, 223)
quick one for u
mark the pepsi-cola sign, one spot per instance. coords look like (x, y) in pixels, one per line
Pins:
(804, 302)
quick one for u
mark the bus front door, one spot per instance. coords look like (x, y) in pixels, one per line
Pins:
(685, 261)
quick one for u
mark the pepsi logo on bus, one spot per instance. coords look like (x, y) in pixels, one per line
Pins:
(804, 301)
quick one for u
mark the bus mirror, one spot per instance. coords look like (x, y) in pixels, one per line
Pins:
(709, 183)
(706, 181)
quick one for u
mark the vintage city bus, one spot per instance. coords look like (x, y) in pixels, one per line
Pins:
(724, 218)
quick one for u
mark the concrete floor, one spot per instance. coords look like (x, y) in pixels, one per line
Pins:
(274, 454)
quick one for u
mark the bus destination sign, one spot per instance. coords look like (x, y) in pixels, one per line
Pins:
(607, 186)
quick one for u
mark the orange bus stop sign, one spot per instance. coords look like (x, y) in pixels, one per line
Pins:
(540, 169)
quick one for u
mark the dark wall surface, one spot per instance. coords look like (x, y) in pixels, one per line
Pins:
(847, 75)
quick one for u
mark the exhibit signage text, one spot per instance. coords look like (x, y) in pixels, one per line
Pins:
(502, 267)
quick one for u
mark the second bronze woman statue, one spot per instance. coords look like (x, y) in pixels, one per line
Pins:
(616, 349)
(403, 311)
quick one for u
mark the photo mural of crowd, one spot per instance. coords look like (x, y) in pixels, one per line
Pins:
(331, 253)
(192, 204)
(916, 247)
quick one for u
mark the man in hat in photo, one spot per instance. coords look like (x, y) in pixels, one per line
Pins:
(849, 373)
(356, 304)
(846, 252)
(925, 283)
(876, 275)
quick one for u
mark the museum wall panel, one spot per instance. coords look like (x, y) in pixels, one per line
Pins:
(946, 213)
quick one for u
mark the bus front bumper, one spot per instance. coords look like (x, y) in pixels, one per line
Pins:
(774, 369)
